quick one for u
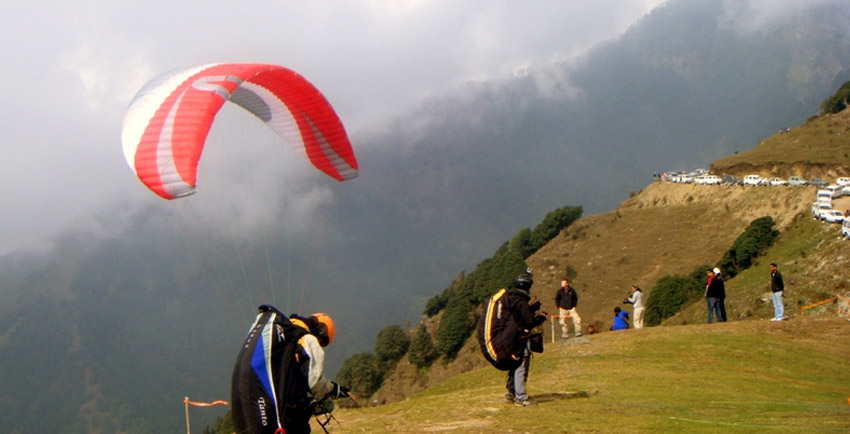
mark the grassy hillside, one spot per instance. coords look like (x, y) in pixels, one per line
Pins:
(818, 148)
(747, 376)
(813, 261)
(666, 229)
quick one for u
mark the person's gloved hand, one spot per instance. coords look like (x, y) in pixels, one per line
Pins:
(539, 319)
(339, 391)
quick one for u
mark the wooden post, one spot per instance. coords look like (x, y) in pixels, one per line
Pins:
(186, 404)
(552, 324)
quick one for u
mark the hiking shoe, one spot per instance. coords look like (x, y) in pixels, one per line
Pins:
(523, 403)
(509, 398)
(564, 335)
(578, 334)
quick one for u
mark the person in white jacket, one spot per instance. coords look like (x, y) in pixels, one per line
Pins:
(636, 300)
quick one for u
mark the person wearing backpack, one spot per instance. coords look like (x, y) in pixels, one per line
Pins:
(523, 310)
(278, 378)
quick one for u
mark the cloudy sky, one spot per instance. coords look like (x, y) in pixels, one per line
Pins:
(72, 69)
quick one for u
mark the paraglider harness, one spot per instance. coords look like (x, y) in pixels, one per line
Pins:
(267, 372)
(500, 336)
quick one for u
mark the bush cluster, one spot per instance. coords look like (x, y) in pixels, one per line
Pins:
(361, 373)
(755, 240)
(669, 294)
(528, 241)
(422, 350)
(391, 344)
(365, 372)
(836, 102)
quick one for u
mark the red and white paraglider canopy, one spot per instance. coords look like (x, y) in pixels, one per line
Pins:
(168, 120)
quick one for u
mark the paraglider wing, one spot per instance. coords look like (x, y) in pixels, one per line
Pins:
(168, 121)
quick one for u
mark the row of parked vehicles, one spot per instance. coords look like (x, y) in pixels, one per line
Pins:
(701, 177)
(794, 181)
(822, 208)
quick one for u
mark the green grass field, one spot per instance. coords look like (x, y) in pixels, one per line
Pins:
(745, 376)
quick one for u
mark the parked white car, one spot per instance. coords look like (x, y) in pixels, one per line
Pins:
(777, 181)
(845, 229)
(754, 180)
(796, 181)
(832, 216)
(843, 181)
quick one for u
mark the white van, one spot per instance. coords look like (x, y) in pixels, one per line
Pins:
(845, 229)
(753, 180)
(835, 190)
(824, 196)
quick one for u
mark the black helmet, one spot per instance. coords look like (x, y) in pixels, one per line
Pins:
(523, 281)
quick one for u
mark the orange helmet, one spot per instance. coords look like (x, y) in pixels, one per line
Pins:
(329, 329)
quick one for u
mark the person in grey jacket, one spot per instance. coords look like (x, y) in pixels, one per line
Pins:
(636, 300)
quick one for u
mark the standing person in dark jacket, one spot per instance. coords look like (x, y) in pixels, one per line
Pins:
(524, 308)
(721, 301)
(712, 296)
(567, 299)
(777, 287)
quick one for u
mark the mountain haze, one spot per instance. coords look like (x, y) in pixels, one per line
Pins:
(107, 331)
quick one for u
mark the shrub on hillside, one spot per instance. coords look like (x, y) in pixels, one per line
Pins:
(699, 273)
(509, 260)
(521, 242)
(838, 100)
(669, 295)
(455, 326)
(499, 273)
(422, 350)
(752, 243)
(553, 223)
(361, 374)
(437, 303)
(391, 344)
